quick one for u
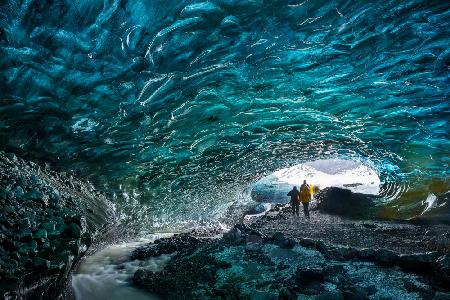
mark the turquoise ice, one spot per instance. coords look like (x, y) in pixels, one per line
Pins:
(177, 107)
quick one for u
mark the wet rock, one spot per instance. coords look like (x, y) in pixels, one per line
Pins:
(3, 252)
(288, 243)
(414, 286)
(140, 277)
(259, 257)
(72, 230)
(280, 239)
(278, 236)
(10, 245)
(182, 243)
(307, 242)
(32, 247)
(15, 255)
(282, 266)
(25, 223)
(53, 234)
(41, 234)
(341, 253)
(359, 292)
(253, 238)
(74, 218)
(418, 262)
(253, 247)
(49, 226)
(306, 275)
(330, 295)
(369, 225)
(8, 263)
(385, 257)
(74, 247)
(23, 250)
(38, 197)
(286, 294)
(310, 280)
(41, 264)
(442, 269)
(86, 239)
(186, 271)
(366, 254)
(234, 236)
(441, 296)
(18, 192)
(260, 208)
(333, 270)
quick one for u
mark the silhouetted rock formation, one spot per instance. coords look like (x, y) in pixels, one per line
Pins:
(344, 202)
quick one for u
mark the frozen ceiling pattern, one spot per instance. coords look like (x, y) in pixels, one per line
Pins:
(176, 106)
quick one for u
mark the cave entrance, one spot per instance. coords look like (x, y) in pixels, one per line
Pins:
(347, 174)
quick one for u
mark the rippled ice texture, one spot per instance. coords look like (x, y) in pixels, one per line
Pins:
(182, 104)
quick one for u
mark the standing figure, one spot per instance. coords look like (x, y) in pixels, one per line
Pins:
(305, 197)
(295, 203)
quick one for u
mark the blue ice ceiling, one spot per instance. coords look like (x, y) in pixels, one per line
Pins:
(163, 99)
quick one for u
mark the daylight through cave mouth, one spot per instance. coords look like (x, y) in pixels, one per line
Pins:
(176, 108)
(320, 174)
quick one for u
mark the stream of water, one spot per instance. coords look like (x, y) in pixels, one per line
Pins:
(107, 274)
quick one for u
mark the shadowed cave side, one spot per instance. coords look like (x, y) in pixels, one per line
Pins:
(48, 221)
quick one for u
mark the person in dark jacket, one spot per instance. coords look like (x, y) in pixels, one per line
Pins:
(295, 200)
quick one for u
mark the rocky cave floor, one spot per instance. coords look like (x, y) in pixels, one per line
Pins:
(279, 256)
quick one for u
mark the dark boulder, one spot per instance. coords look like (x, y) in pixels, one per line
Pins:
(37, 196)
(414, 286)
(286, 294)
(366, 254)
(72, 230)
(40, 235)
(333, 270)
(182, 243)
(25, 223)
(344, 202)
(307, 242)
(330, 295)
(358, 292)
(41, 263)
(418, 262)
(234, 236)
(306, 275)
(287, 243)
(442, 269)
(140, 277)
(341, 253)
(386, 257)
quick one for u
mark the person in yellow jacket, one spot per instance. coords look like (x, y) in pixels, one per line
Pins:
(305, 197)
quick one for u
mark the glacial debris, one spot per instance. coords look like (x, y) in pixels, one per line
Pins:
(48, 220)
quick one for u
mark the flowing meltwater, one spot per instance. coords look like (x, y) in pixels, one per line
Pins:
(107, 273)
